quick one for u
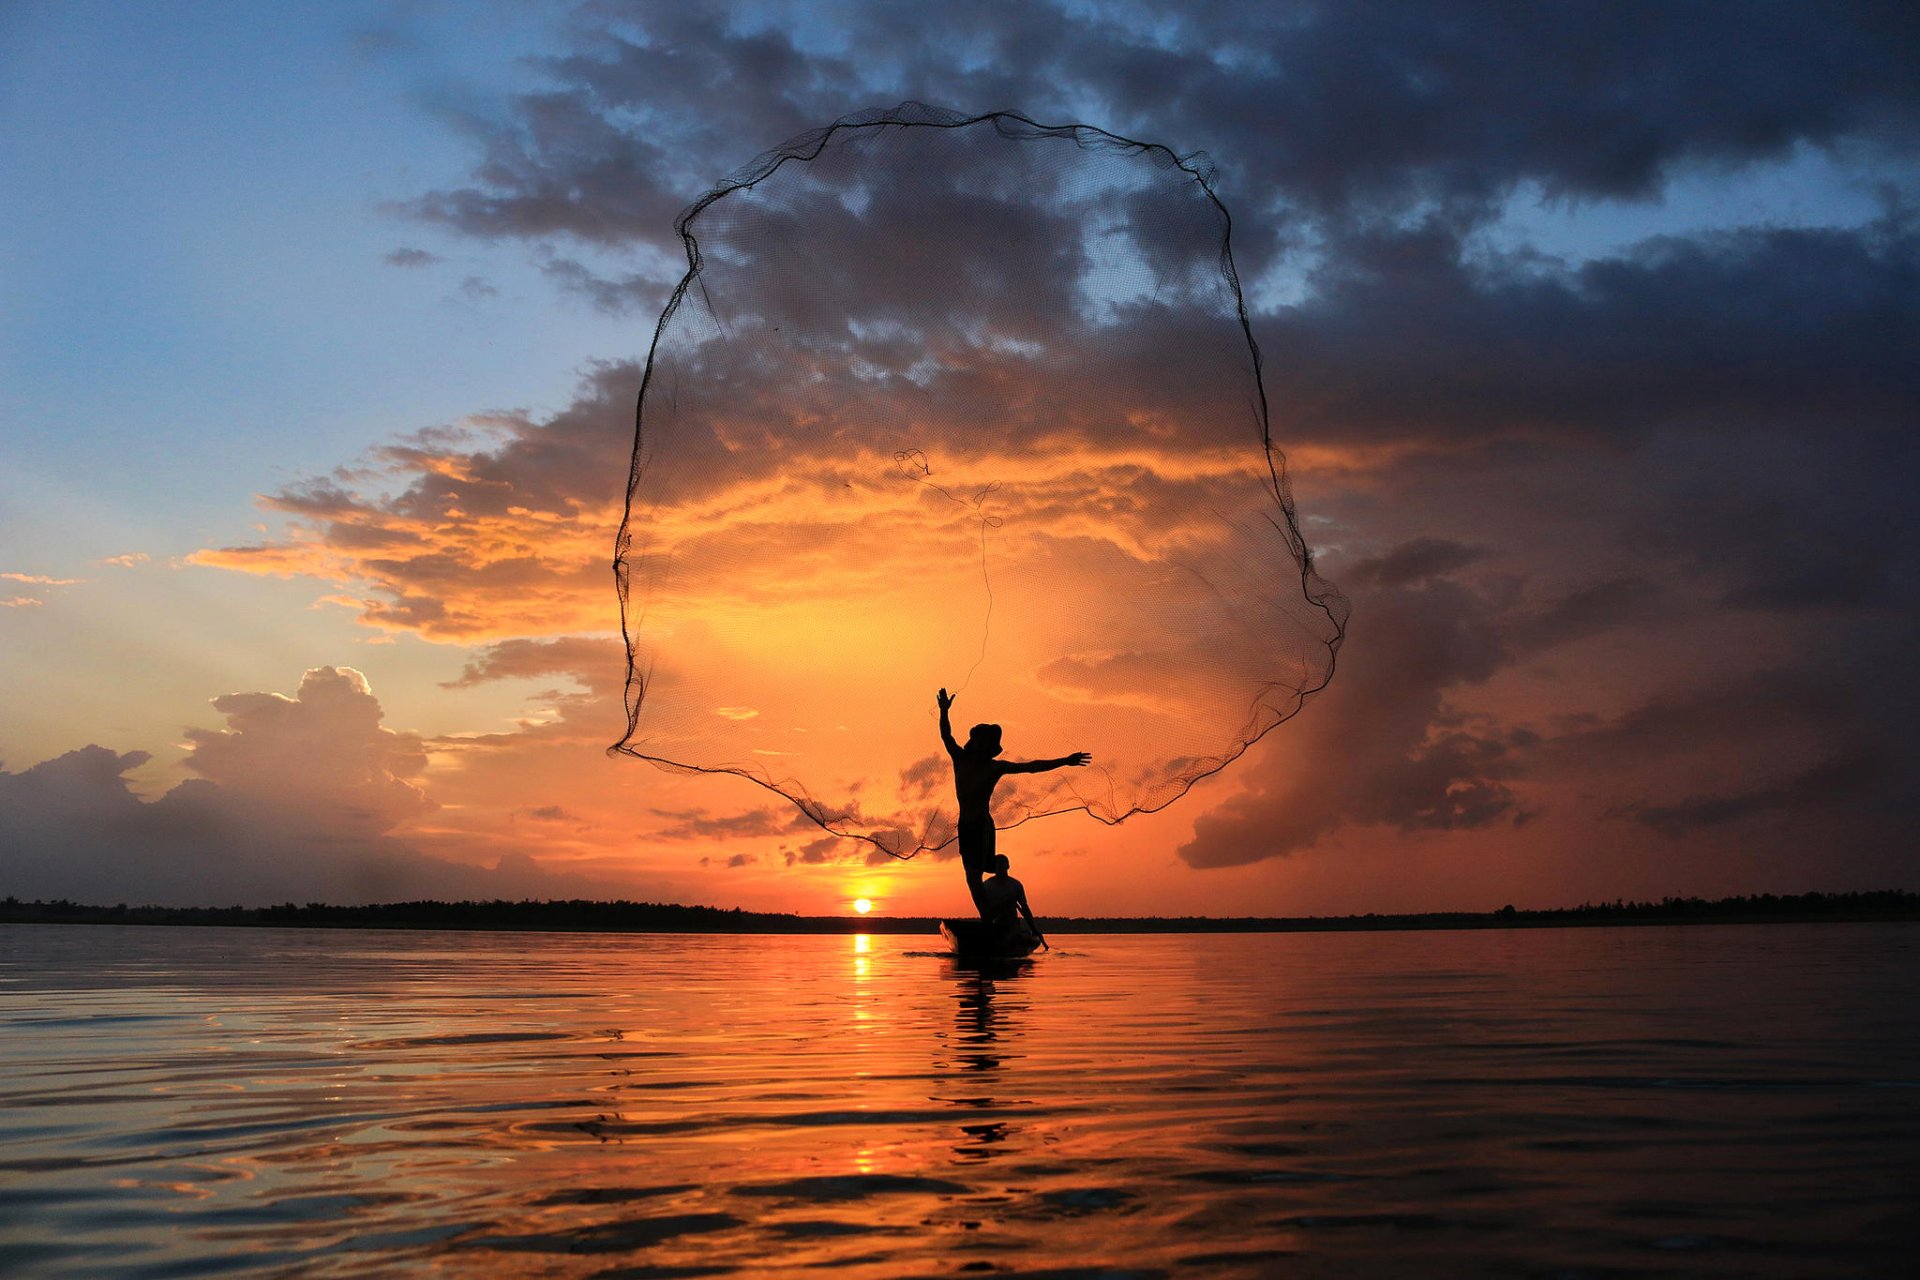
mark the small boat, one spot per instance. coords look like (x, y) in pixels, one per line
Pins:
(978, 940)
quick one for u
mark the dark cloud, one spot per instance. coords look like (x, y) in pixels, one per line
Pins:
(698, 824)
(1814, 753)
(921, 778)
(1791, 544)
(1351, 108)
(1832, 784)
(819, 851)
(1587, 610)
(1407, 336)
(410, 257)
(1411, 562)
(1382, 745)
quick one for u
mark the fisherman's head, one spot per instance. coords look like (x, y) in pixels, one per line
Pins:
(984, 740)
(1001, 865)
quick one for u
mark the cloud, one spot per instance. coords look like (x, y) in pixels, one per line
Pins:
(1406, 331)
(127, 561)
(821, 851)
(593, 663)
(323, 752)
(410, 257)
(1629, 531)
(40, 580)
(21, 602)
(698, 824)
(1412, 562)
(1589, 609)
(923, 776)
(772, 508)
(502, 530)
(1353, 111)
(1830, 785)
(298, 798)
(1802, 753)
(1384, 745)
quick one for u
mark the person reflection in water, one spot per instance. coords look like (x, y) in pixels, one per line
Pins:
(977, 770)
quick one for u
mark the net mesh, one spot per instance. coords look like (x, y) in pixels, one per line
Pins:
(961, 401)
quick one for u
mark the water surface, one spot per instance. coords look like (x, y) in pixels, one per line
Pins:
(1728, 1100)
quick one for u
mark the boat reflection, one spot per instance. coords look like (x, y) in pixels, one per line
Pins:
(989, 1009)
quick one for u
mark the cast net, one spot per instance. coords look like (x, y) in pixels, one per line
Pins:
(968, 402)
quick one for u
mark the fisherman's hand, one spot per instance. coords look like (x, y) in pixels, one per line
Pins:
(1079, 759)
(946, 700)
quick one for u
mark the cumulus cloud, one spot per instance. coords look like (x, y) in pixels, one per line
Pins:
(298, 798)
(322, 752)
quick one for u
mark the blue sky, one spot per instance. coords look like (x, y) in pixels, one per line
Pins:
(197, 302)
(195, 307)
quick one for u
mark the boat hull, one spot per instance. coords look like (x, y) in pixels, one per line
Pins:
(978, 940)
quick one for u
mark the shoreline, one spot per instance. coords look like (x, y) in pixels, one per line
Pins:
(582, 916)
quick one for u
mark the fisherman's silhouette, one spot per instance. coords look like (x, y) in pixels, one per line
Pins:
(977, 770)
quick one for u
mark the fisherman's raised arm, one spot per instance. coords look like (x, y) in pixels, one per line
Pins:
(946, 723)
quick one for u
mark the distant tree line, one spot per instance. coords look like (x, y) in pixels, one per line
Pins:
(586, 915)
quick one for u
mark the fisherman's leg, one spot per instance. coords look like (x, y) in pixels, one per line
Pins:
(973, 862)
(983, 851)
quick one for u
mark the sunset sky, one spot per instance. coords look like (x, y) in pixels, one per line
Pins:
(1590, 341)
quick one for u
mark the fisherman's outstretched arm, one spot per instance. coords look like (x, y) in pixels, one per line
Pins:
(1077, 760)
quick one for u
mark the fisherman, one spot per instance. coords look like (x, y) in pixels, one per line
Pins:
(977, 769)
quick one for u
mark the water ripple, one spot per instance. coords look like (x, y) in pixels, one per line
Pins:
(1730, 1102)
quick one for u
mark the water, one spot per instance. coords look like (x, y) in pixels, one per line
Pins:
(1706, 1101)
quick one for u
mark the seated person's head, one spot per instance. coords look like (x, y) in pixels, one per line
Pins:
(984, 740)
(1000, 864)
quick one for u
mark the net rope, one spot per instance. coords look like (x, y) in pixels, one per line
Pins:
(964, 401)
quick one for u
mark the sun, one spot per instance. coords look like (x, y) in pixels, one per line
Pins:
(862, 905)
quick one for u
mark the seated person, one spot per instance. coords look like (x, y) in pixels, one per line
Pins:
(1003, 902)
